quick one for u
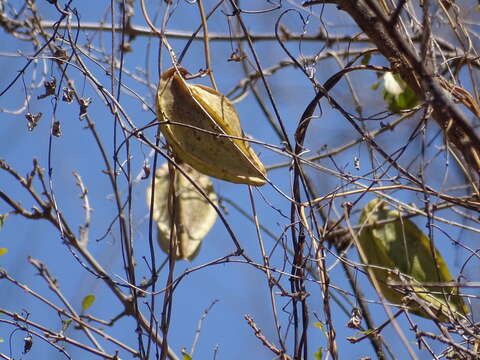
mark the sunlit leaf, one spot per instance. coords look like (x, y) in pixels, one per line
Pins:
(318, 354)
(194, 215)
(319, 325)
(397, 94)
(186, 356)
(201, 124)
(393, 85)
(87, 302)
(3, 251)
(399, 245)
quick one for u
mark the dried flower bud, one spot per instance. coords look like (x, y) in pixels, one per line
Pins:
(56, 131)
(50, 87)
(32, 120)
(355, 319)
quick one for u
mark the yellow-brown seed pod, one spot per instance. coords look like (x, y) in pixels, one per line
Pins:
(203, 130)
(194, 215)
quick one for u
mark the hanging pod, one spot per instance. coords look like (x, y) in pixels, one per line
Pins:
(194, 215)
(203, 130)
(400, 253)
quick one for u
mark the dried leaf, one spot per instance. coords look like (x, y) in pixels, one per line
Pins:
(194, 215)
(27, 343)
(32, 120)
(399, 245)
(201, 124)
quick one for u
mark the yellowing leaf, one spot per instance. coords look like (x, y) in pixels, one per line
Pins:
(3, 251)
(399, 246)
(194, 215)
(87, 302)
(203, 129)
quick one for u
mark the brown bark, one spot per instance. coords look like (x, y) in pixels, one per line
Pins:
(385, 33)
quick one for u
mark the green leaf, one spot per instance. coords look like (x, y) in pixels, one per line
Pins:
(399, 246)
(3, 217)
(397, 94)
(87, 302)
(366, 59)
(1, 340)
(318, 354)
(321, 326)
(66, 323)
(3, 251)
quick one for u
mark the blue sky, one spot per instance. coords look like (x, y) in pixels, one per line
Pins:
(239, 288)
